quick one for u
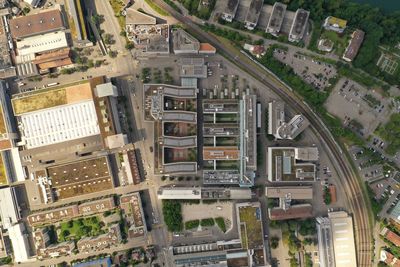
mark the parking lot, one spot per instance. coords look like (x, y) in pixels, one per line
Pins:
(312, 71)
(359, 108)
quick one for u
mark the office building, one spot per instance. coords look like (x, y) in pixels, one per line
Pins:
(172, 109)
(277, 125)
(291, 164)
(19, 241)
(203, 193)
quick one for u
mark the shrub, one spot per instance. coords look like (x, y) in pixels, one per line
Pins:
(207, 222)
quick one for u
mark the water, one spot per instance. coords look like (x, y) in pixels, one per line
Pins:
(386, 5)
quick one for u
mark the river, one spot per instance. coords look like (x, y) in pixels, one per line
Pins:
(386, 5)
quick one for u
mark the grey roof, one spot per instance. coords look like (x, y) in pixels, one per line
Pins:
(183, 42)
(276, 18)
(299, 24)
(254, 11)
(232, 6)
(188, 141)
(135, 17)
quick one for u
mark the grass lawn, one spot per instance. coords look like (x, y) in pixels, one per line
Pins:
(117, 6)
(76, 229)
(339, 41)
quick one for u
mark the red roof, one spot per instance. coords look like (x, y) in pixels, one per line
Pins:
(291, 213)
(393, 237)
(207, 48)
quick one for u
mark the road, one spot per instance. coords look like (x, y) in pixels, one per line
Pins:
(347, 176)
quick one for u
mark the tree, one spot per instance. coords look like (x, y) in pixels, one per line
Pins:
(26, 10)
(108, 38)
(112, 54)
(130, 45)
(172, 215)
(274, 242)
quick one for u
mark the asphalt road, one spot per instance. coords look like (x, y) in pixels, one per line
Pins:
(347, 176)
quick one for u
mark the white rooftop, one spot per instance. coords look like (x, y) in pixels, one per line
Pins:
(59, 124)
(42, 43)
(19, 242)
(8, 211)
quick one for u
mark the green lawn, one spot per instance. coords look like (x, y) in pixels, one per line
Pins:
(340, 42)
(76, 229)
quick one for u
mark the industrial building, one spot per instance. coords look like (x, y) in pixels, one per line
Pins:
(286, 210)
(203, 193)
(172, 109)
(291, 164)
(276, 19)
(20, 244)
(230, 11)
(355, 43)
(299, 25)
(277, 125)
(253, 14)
(145, 33)
(335, 24)
(78, 119)
(336, 247)
(9, 208)
(229, 150)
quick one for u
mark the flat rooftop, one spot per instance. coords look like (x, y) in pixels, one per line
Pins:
(150, 38)
(276, 18)
(135, 17)
(232, 7)
(220, 153)
(298, 192)
(52, 97)
(299, 24)
(343, 239)
(284, 165)
(254, 11)
(294, 212)
(184, 42)
(250, 225)
(220, 177)
(35, 24)
(81, 177)
(220, 106)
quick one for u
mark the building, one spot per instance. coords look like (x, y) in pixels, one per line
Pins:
(130, 166)
(336, 245)
(97, 243)
(354, 45)
(299, 25)
(41, 43)
(391, 236)
(277, 125)
(131, 205)
(193, 68)
(9, 208)
(229, 150)
(276, 19)
(45, 249)
(96, 206)
(7, 70)
(286, 210)
(251, 232)
(253, 14)
(66, 123)
(145, 33)
(203, 193)
(256, 50)
(52, 216)
(230, 11)
(172, 109)
(395, 213)
(389, 258)
(102, 262)
(37, 24)
(335, 24)
(325, 45)
(291, 164)
(53, 59)
(77, 16)
(19, 241)
(184, 43)
(33, 3)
